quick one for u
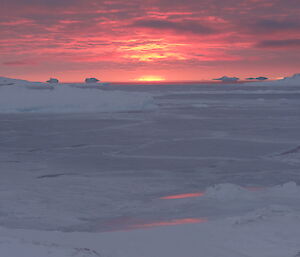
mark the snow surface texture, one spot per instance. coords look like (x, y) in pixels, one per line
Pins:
(126, 184)
(271, 231)
(18, 98)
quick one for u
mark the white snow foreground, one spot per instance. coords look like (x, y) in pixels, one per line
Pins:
(271, 231)
(65, 99)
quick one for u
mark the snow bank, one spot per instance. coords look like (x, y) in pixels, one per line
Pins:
(292, 156)
(8, 81)
(263, 214)
(287, 81)
(226, 191)
(293, 80)
(65, 99)
(290, 190)
(230, 192)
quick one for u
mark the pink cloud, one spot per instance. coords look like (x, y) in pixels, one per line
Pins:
(143, 34)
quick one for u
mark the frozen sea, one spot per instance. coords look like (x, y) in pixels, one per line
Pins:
(190, 153)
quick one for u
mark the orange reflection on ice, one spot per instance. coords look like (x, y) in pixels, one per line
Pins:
(198, 194)
(182, 196)
(171, 223)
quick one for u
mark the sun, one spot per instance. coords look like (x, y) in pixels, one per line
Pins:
(150, 78)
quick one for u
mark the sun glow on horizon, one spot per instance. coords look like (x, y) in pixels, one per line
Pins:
(150, 78)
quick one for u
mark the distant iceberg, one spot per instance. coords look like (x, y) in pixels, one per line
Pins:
(91, 80)
(262, 78)
(52, 81)
(258, 78)
(228, 79)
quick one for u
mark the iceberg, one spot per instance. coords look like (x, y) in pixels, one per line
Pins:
(258, 78)
(52, 81)
(91, 80)
(228, 79)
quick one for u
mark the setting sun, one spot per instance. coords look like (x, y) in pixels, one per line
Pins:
(151, 78)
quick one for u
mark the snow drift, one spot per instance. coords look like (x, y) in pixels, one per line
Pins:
(287, 81)
(65, 99)
(293, 80)
(231, 192)
(8, 81)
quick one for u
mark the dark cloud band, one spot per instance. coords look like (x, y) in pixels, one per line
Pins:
(285, 43)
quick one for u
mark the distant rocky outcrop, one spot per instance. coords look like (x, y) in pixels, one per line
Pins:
(262, 78)
(91, 80)
(52, 81)
(258, 78)
(228, 79)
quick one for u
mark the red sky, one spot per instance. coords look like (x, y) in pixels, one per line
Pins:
(118, 40)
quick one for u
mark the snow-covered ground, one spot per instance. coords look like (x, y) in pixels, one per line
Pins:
(23, 97)
(149, 170)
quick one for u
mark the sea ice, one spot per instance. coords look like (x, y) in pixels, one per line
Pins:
(69, 178)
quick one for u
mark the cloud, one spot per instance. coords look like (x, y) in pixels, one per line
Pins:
(182, 26)
(179, 35)
(49, 3)
(270, 26)
(20, 63)
(284, 43)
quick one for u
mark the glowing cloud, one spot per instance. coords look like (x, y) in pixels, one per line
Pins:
(150, 78)
(183, 39)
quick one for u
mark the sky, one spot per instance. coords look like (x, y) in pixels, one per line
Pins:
(140, 40)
